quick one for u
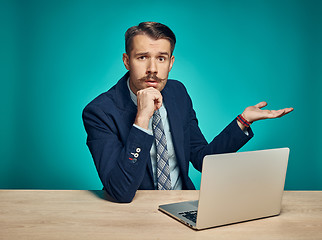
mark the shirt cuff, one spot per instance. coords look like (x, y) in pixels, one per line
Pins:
(145, 130)
(246, 131)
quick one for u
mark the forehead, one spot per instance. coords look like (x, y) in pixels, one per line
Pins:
(144, 43)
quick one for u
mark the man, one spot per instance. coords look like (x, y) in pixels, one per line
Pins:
(143, 132)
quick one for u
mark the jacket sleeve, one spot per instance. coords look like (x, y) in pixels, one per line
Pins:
(121, 166)
(231, 139)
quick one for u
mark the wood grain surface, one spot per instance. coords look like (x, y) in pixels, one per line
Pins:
(82, 214)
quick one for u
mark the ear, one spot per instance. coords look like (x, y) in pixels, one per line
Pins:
(171, 62)
(126, 61)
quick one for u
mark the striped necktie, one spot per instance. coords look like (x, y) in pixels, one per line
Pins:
(163, 170)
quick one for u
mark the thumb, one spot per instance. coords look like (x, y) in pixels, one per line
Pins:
(261, 104)
(157, 105)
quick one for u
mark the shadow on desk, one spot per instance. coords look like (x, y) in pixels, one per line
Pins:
(102, 194)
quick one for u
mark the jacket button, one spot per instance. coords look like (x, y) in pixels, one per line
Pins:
(136, 155)
(138, 150)
(134, 160)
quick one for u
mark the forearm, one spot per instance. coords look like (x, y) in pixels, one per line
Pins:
(120, 154)
(122, 168)
(231, 139)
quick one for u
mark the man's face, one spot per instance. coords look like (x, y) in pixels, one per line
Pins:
(149, 63)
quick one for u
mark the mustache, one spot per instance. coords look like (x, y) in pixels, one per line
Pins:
(152, 76)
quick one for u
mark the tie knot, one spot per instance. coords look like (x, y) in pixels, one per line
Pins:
(156, 117)
(156, 113)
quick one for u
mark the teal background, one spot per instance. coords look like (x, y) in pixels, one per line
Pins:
(56, 56)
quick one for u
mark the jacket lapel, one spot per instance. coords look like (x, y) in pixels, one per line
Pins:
(176, 127)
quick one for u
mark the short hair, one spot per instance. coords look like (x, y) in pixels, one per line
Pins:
(154, 30)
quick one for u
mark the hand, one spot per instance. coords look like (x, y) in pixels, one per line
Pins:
(148, 100)
(254, 113)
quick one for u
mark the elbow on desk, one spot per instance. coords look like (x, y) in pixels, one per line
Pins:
(119, 197)
(124, 199)
(120, 190)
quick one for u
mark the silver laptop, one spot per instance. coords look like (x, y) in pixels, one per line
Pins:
(235, 187)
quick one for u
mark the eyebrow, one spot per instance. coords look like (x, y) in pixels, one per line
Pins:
(141, 53)
(146, 53)
(164, 53)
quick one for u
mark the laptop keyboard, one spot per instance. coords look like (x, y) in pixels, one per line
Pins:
(191, 215)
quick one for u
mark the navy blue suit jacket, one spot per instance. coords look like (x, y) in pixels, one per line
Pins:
(112, 139)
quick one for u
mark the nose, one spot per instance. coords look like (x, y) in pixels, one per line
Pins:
(152, 67)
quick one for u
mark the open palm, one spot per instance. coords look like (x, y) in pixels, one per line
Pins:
(255, 113)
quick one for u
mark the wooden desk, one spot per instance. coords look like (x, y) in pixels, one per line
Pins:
(38, 214)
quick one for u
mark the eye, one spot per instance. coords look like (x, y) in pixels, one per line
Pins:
(161, 59)
(142, 57)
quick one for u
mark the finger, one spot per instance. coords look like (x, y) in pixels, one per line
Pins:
(279, 113)
(276, 113)
(282, 112)
(158, 100)
(157, 106)
(288, 110)
(157, 103)
(149, 92)
(261, 105)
